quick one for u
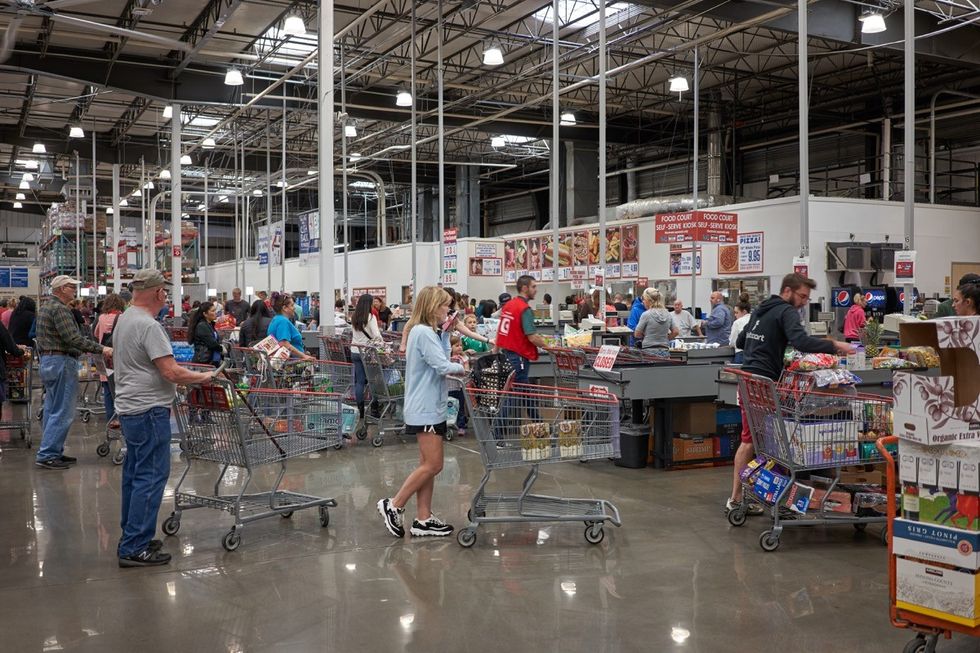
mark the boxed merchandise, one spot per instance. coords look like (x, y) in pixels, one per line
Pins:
(536, 441)
(827, 443)
(769, 485)
(696, 417)
(870, 501)
(932, 543)
(874, 477)
(941, 409)
(798, 498)
(689, 447)
(726, 445)
(938, 590)
(941, 507)
(570, 439)
(951, 466)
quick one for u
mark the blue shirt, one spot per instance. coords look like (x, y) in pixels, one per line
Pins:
(282, 329)
(718, 326)
(426, 367)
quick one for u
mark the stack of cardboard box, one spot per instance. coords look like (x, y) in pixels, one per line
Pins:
(937, 537)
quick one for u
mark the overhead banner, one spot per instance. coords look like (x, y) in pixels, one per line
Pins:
(263, 245)
(276, 244)
(450, 259)
(309, 234)
(696, 226)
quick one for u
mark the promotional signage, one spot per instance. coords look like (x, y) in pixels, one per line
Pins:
(801, 265)
(263, 245)
(18, 277)
(486, 250)
(535, 256)
(450, 274)
(681, 260)
(486, 267)
(606, 358)
(379, 292)
(309, 234)
(4, 277)
(905, 267)
(745, 257)
(578, 279)
(696, 226)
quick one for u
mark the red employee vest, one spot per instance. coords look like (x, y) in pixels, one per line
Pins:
(510, 333)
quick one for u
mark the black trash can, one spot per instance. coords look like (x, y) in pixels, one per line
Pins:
(634, 445)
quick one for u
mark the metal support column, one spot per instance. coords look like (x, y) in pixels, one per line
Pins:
(414, 167)
(175, 205)
(908, 145)
(325, 162)
(268, 200)
(554, 208)
(95, 224)
(696, 83)
(343, 181)
(78, 211)
(116, 236)
(282, 154)
(238, 231)
(602, 158)
(440, 130)
(804, 108)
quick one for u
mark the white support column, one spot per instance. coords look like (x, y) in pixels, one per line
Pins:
(554, 208)
(95, 225)
(803, 99)
(176, 250)
(908, 144)
(325, 149)
(441, 131)
(414, 184)
(602, 157)
(696, 83)
(116, 236)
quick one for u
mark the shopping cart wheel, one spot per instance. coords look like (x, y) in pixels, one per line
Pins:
(378, 441)
(884, 536)
(171, 525)
(921, 644)
(324, 516)
(102, 450)
(362, 432)
(86, 416)
(466, 537)
(40, 414)
(594, 534)
(119, 457)
(339, 445)
(737, 517)
(768, 541)
(450, 433)
(232, 540)
(287, 514)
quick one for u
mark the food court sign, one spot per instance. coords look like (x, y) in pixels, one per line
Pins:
(696, 226)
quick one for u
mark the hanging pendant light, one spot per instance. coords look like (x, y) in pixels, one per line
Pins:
(493, 55)
(207, 144)
(76, 132)
(185, 160)
(294, 26)
(678, 84)
(234, 77)
(403, 99)
(872, 23)
(39, 149)
(168, 112)
(165, 174)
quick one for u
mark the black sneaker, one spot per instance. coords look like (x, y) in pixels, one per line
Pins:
(431, 527)
(69, 459)
(393, 517)
(147, 558)
(52, 463)
(154, 545)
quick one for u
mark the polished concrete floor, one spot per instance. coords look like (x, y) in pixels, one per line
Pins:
(675, 577)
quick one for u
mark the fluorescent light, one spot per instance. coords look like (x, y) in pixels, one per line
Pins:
(294, 26)
(498, 142)
(678, 84)
(76, 132)
(493, 55)
(18, 205)
(124, 202)
(872, 23)
(149, 185)
(355, 156)
(567, 118)
(165, 173)
(108, 211)
(24, 185)
(234, 77)
(39, 148)
(212, 292)
(28, 177)
(31, 164)
(223, 199)
(311, 172)
(280, 184)
(186, 160)
(137, 193)
(20, 196)
(404, 99)
(201, 207)
(257, 192)
(168, 112)
(207, 144)
(185, 215)
(350, 131)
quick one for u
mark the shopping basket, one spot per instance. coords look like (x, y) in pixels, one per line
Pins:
(802, 438)
(230, 427)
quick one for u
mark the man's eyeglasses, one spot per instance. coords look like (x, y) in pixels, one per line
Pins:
(805, 298)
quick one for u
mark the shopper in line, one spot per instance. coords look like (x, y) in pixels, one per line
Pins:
(12, 304)
(4, 308)
(256, 325)
(146, 377)
(236, 306)
(718, 326)
(855, 319)
(364, 333)
(112, 308)
(743, 311)
(202, 334)
(966, 299)
(774, 325)
(683, 321)
(282, 328)
(60, 343)
(21, 321)
(517, 336)
(427, 365)
(655, 329)
(454, 325)
(340, 314)
(946, 308)
(7, 348)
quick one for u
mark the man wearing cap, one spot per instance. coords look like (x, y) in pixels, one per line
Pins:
(59, 344)
(502, 299)
(146, 377)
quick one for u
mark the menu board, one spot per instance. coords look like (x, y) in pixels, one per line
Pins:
(743, 257)
(580, 248)
(680, 261)
(629, 251)
(613, 252)
(486, 267)
(378, 291)
(522, 257)
(534, 254)
(510, 261)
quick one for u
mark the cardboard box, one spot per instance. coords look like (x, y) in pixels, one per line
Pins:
(941, 507)
(695, 417)
(727, 416)
(940, 409)
(938, 591)
(836, 501)
(862, 478)
(726, 445)
(931, 543)
(950, 466)
(770, 485)
(827, 443)
(693, 448)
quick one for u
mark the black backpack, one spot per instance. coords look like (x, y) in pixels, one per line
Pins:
(106, 340)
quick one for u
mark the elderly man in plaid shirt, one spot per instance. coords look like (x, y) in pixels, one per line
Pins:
(60, 343)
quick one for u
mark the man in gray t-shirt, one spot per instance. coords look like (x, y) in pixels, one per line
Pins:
(146, 377)
(683, 321)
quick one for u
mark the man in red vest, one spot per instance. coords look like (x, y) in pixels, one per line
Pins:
(517, 336)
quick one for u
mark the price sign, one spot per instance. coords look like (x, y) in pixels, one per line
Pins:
(801, 265)
(606, 358)
(177, 251)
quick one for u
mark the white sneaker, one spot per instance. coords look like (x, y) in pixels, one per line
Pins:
(431, 527)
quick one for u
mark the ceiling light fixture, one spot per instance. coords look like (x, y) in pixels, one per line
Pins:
(24, 185)
(872, 23)
(223, 199)
(497, 142)
(207, 144)
(202, 206)
(28, 177)
(355, 156)
(493, 55)
(18, 205)
(76, 132)
(31, 164)
(280, 184)
(39, 148)
(186, 160)
(404, 99)
(108, 211)
(234, 77)
(165, 173)
(20, 196)
(168, 112)
(678, 84)
(294, 26)
(124, 202)
(148, 185)
(137, 193)
(567, 118)
(257, 192)
(350, 131)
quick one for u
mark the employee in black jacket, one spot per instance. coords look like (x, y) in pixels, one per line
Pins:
(774, 325)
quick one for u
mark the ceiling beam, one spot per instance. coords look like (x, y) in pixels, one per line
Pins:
(202, 30)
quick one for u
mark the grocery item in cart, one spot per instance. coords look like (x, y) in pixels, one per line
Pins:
(922, 356)
(570, 438)
(536, 441)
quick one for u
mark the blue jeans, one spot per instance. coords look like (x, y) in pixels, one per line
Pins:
(59, 373)
(107, 401)
(145, 474)
(360, 381)
(522, 369)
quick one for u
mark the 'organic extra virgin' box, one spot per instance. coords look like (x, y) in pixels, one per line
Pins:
(938, 591)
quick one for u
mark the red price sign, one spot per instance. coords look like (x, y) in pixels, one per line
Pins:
(606, 358)
(177, 250)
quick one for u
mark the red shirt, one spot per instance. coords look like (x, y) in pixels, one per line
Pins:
(510, 333)
(854, 321)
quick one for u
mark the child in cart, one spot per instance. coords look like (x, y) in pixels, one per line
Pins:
(457, 356)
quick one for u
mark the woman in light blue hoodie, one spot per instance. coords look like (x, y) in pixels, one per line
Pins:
(426, 366)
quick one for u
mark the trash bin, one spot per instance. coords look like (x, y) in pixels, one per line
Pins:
(634, 446)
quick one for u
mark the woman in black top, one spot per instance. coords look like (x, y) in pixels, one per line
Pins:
(256, 325)
(201, 334)
(21, 321)
(7, 346)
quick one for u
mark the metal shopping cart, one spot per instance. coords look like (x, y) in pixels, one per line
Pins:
(336, 347)
(566, 366)
(20, 385)
(386, 380)
(246, 429)
(90, 386)
(527, 426)
(801, 431)
(113, 436)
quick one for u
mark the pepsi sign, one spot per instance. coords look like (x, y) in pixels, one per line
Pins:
(840, 298)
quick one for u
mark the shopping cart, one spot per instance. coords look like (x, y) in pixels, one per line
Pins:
(386, 379)
(90, 386)
(527, 426)
(20, 385)
(807, 432)
(113, 436)
(335, 348)
(566, 366)
(246, 429)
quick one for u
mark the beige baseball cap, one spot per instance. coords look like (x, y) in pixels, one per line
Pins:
(63, 280)
(149, 278)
